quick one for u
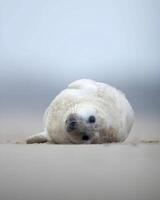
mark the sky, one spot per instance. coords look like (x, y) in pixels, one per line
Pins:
(44, 45)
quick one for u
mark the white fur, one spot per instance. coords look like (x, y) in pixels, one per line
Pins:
(89, 97)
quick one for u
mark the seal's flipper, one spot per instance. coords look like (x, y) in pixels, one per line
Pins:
(37, 138)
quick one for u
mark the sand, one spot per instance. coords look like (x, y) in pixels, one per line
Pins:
(130, 170)
(57, 172)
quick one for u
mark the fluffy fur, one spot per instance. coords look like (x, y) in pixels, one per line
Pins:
(114, 114)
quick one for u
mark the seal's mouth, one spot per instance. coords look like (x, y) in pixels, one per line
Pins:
(85, 137)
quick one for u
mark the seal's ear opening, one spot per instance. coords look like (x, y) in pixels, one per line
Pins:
(37, 138)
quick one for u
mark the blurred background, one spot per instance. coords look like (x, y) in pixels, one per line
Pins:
(45, 45)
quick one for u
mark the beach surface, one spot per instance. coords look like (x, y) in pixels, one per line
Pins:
(128, 170)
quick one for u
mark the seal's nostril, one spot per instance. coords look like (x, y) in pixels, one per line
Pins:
(72, 125)
(85, 137)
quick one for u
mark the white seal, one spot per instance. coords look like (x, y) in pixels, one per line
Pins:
(87, 112)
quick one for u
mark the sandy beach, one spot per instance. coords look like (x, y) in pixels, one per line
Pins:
(98, 172)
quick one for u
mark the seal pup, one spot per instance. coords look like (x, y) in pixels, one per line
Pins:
(87, 112)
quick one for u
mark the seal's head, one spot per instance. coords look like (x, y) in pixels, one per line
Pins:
(83, 125)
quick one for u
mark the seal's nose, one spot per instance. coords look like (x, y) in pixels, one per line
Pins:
(72, 125)
(71, 122)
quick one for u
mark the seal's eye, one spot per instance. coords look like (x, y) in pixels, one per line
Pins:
(92, 119)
